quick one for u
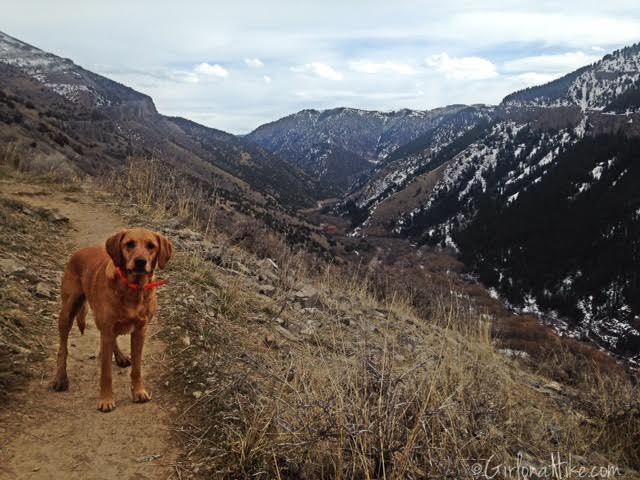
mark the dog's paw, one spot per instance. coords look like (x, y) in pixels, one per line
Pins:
(106, 404)
(141, 396)
(123, 361)
(60, 384)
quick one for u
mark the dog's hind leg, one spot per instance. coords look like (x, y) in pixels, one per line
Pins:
(81, 318)
(121, 359)
(73, 301)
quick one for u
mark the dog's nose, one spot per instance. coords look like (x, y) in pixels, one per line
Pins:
(140, 262)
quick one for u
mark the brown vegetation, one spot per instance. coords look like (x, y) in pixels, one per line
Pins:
(328, 376)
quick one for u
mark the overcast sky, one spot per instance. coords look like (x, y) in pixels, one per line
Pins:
(234, 65)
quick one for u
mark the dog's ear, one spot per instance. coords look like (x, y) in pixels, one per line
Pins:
(115, 250)
(165, 250)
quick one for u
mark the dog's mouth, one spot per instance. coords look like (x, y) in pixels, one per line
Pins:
(137, 271)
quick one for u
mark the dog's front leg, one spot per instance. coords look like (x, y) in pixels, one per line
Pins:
(138, 392)
(106, 403)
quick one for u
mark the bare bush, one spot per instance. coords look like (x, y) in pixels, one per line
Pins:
(50, 166)
(160, 191)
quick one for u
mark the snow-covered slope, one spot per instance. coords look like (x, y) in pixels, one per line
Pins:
(550, 219)
(593, 87)
(418, 157)
(66, 78)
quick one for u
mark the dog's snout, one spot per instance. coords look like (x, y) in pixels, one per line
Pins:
(140, 262)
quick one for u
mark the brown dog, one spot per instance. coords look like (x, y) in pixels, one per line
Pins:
(117, 281)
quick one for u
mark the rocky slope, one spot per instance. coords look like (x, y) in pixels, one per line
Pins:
(313, 370)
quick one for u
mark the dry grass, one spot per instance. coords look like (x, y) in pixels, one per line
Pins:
(384, 395)
(159, 191)
(51, 166)
(357, 384)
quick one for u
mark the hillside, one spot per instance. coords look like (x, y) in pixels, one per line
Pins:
(61, 115)
(260, 370)
(409, 171)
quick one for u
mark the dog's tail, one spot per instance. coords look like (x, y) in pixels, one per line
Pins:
(81, 318)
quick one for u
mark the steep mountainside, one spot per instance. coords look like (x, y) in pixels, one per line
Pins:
(409, 171)
(595, 87)
(537, 197)
(50, 105)
(341, 145)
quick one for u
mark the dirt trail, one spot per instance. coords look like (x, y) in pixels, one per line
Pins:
(62, 435)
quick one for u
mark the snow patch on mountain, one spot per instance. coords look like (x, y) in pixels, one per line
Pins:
(58, 74)
(591, 88)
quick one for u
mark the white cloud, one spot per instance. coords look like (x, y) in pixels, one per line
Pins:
(254, 62)
(266, 78)
(539, 25)
(462, 68)
(318, 69)
(208, 70)
(364, 66)
(183, 77)
(530, 79)
(560, 63)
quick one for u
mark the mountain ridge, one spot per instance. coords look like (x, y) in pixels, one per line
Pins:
(341, 144)
(131, 120)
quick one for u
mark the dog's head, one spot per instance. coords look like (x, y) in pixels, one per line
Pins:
(137, 251)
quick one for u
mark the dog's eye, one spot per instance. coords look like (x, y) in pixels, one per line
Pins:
(130, 244)
(150, 246)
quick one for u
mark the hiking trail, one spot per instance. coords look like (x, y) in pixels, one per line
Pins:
(63, 435)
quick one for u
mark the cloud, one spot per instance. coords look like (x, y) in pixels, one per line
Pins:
(541, 25)
(364, 66)
(530, 79)
(182, 77)
(462, 68)
(318, 69)
(254, 62)
(266, 78)
(559, 63)
(208, 70)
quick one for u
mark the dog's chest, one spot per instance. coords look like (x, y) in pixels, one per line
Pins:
(133, 316)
